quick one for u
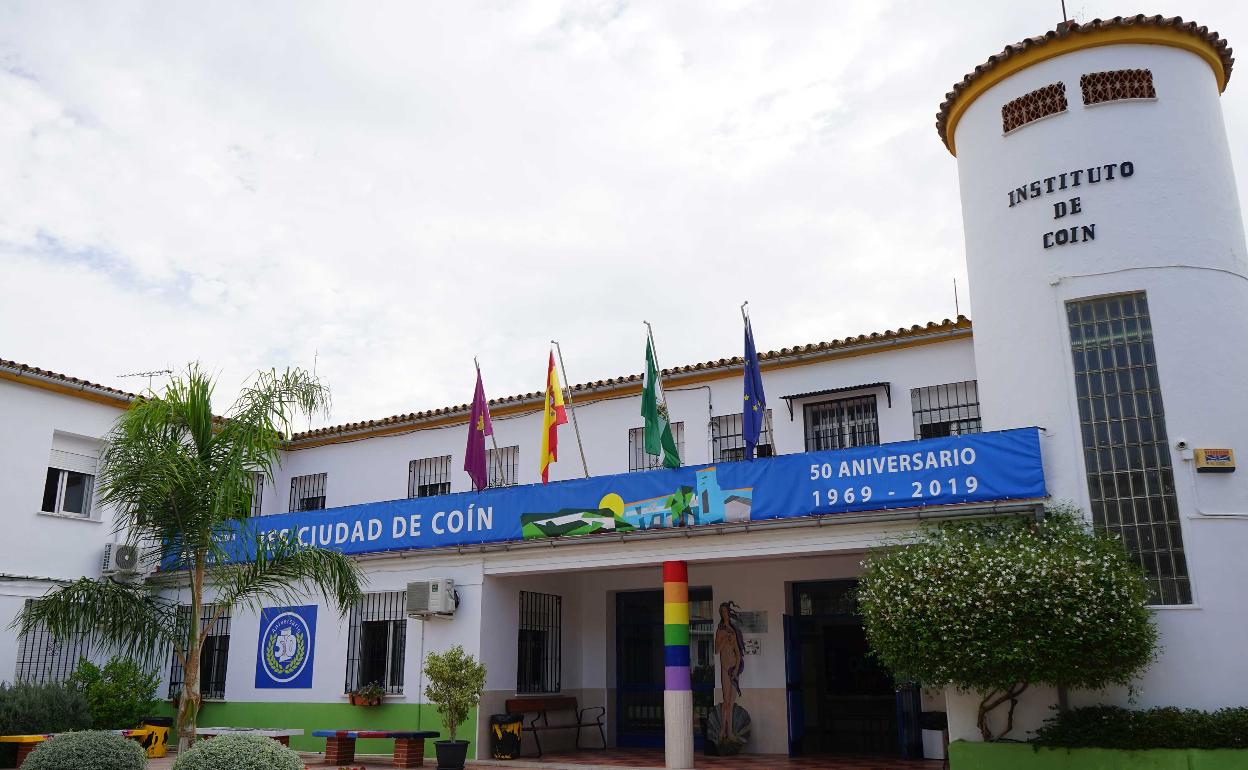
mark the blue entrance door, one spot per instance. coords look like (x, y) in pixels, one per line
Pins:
(841, 700)
(793, 685)
(639, 664)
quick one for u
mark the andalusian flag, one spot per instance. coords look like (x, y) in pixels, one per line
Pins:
(552, 418)
(659, 439)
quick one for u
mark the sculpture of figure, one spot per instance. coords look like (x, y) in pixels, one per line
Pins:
(730, 647)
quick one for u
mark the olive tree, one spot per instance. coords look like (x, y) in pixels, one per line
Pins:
(996, 606)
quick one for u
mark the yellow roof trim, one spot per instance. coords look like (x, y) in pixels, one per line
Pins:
(1088, 38)
(77, 391)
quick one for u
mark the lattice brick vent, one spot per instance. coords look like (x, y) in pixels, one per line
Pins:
(1049, 100)
(1113, 86)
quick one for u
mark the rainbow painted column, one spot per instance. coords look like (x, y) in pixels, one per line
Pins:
(677, 692)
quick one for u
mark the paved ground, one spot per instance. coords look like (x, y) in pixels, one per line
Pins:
(643, 759)
(653, 759)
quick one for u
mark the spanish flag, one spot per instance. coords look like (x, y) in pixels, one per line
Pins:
(553, 416)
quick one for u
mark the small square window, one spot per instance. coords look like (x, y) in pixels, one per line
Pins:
(640, 460)
(504, 465)
(307, 493)
(429, 477)
(67, 492)
(728, 443)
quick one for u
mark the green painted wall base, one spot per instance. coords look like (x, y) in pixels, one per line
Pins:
(968, 755)
(336, 716)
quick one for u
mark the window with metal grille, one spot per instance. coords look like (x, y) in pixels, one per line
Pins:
(45, 659)
(728, 443)
(377, 642)
(1123, 423)
(946, 410)
(213, 659)
(257, 493)
(639, 460)
(539, 656)
(842, 423)
(428, 477)
(1117, 85)
(307, 493)
(1030, 107)
(504, 465)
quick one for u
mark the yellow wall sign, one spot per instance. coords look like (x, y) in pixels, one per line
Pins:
(1215, 460)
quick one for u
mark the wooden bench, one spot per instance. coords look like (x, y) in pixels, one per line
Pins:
(409, 746)
(27, 743)
(541, 708)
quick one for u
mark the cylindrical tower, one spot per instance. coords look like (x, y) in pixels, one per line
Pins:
(1109, 284)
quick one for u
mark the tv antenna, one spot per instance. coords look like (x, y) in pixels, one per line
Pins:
(148, 375)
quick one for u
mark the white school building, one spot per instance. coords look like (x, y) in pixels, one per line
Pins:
(1108, 272)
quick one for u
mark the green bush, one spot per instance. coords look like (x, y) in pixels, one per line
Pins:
(238, 752)
(38, 708)
(997, 606)
(119, 695)
(1111, 727)
(87, 751)
(41, 708)
(456, 680)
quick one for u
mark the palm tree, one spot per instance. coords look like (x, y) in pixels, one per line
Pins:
(181, 481)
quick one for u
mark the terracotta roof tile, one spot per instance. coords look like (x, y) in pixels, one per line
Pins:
(1070, 29)
(961, 322)
(21, 369)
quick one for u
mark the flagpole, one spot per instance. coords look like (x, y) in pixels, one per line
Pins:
(567, 396)
(498, 460)
(745, 316)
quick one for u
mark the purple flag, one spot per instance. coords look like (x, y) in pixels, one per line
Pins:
(478, 428)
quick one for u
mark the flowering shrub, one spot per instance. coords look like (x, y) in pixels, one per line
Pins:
(238, 752)
(87, 751)
(999, 605)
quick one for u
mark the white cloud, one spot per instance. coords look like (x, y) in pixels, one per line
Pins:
(396, 187)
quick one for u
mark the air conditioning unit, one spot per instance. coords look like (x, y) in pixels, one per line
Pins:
(121, 560)
(431, 597)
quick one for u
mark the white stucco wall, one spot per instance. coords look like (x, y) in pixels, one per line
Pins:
(38, 544)
(1174, 230)
(376, 468)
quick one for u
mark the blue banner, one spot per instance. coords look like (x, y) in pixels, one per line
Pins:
(286, 647)
(977, 468)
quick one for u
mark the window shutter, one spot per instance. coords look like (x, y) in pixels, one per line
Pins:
(70, 461)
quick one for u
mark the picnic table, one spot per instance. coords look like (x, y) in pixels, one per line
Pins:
(282, 736)
(27, 743)
(409, 746)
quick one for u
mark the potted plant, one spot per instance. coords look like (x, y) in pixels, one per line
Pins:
(367, 695)
(456, 680)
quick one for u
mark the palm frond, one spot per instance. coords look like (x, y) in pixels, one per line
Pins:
(126, 617)
(283, 572)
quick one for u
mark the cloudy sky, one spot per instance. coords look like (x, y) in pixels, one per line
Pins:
(393, 188)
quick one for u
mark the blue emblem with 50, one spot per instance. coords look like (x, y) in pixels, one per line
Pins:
(284, 653)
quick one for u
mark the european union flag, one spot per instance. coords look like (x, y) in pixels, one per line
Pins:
(755, 408)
